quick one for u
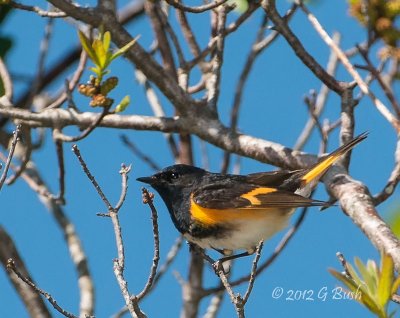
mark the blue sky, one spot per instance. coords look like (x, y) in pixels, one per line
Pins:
(272, 109)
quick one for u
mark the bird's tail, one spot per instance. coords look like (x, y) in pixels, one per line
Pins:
(317, 171)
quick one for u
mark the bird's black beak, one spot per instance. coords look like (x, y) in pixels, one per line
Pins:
(148, 180)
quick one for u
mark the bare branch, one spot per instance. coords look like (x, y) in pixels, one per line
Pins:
(376, 73)
(10, 155)
(58, 135)
(39, 11)
(213, 80)
(77, 153)
(157, 110)
(321, 99)
(132, 302)
(25, 151)
(347, 121)
(148, 199)
(356, 200)
(259, 45)
(32, 177)
(282, 27)
(70, 85)
(238, 301)
(278, 249)
(6, 80)
(34, 304)
(394, 178)
(155, 14)
(11, 267)
(126, 14)
(352, 71)
(215, 305)
(395, 298)
(178, 5)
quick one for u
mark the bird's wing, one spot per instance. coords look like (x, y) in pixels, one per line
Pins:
(238, 195)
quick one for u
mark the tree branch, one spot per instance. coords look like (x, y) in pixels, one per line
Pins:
(34, 304)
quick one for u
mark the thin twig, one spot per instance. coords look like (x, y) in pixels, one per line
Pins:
(214, 77)
(58, 135)
(77, 153)
(238, 301)
(11, 267)
(278, 249)
(347, 120)
(61, 170)
(136, 151)
(395, 298)
(43, 53)
(311, 102)
(15, 139)
(39, 11)
(157, 110)
(148, 199)
(153, 11)
(215, 305)
(253, 273)
(124, 186)
(385, 112)
(282, 27)
(386, 89)
(25, 151)
(163, 269)
(131, 302)
(6, 80)
(188, 32)
(178, 5)
(260, 44)
(32, 177)
(71, 84)
(33, 302)
(394, 179)
(321, 99)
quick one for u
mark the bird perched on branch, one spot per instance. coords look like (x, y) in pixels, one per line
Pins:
(228, 212)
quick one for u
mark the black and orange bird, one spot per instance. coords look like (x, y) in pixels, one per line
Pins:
(228, 212)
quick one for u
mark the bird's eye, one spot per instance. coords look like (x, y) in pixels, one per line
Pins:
(170, 176)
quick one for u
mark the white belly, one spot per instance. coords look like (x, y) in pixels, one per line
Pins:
(246, 234)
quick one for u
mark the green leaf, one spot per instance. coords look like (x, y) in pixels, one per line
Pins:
(100, 52)
(394, 222)
(365, 274)
(365, 298)
(96, 70)
(85, 42)
(396, 285)
(106, 41)
(385, 281)
(373, 271)
(123, 104)
(123, 49)
(354, 275)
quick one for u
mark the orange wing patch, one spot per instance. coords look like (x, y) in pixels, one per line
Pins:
(252, 195)
(208, 216)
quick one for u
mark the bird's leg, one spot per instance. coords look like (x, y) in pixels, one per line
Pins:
(218, 265)
(232, 257)
(194, 247)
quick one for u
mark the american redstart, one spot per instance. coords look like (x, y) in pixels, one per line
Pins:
(229, 212)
